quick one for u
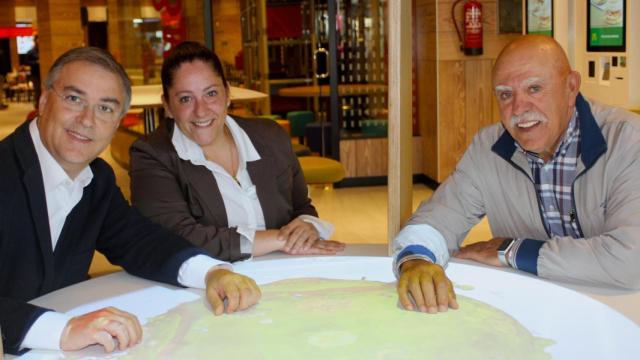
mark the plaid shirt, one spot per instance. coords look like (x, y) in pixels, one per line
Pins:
(553, 182)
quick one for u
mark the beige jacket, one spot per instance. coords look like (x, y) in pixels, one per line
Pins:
(494, 179)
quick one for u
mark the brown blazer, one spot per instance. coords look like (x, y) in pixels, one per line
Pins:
(185, 198)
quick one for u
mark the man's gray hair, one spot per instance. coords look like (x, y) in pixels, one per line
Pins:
(94, 56)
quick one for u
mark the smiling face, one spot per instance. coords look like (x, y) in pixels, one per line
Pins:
(536, 91)
(75, 137)
(198, 101)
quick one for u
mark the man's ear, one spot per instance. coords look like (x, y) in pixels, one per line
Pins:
(573, 83)
(43, 99)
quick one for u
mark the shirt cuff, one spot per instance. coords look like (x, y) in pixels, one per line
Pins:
(193, 272)
(46, 331)
(324, 228)
(247, 236)
(525, 254)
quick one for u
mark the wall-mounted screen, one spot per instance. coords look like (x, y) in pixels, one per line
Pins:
(606, 25)
(540, 17)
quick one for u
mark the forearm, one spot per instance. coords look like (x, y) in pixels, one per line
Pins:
(267, 241)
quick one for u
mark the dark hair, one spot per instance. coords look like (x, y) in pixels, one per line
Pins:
(94, 56)
(189, 51)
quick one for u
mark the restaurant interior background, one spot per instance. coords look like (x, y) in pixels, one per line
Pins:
(291, 49)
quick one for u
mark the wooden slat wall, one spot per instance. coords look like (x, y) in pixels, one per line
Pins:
(369, 157)
(454, 90)
(227, 30)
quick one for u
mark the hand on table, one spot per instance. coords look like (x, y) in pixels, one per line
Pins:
(240, 291)
(299, 235)
(102, 327)
(319, 247)
(485, 252)
(428, 285)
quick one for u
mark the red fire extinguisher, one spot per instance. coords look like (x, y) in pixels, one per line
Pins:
(472, 42)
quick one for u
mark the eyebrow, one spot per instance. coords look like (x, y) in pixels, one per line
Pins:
(532, 80)
(79, 91)
(503, 88)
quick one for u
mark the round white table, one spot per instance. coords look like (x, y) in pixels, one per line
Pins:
(584, 322)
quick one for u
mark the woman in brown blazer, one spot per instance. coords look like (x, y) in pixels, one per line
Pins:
(232, 186)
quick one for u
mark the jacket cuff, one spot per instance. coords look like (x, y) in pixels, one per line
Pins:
(526, 255)
(412, 252)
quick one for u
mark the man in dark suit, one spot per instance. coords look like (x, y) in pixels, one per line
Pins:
(59, 203)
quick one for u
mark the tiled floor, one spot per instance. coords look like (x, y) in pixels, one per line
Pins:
(358, 213)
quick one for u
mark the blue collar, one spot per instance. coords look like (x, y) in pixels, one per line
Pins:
(592, 143)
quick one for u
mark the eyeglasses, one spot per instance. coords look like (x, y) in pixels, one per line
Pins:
(104, 112)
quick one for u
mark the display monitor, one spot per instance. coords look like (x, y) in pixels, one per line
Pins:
(540, 17)
(24, 43)
(606, 25)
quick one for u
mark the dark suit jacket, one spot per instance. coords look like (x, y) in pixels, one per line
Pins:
(185, 198)
(102, 220)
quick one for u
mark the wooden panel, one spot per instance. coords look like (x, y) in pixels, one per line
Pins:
(452, 134)
(348, 157)
(372, 157)
(59, 30)
(479, 96)
(417, 155)
(428, 116)
(194, 18)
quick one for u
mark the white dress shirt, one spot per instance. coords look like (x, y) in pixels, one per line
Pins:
(62, 194)
(240, 197)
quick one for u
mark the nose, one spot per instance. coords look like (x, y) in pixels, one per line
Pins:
(201, 109)
(86, 116)
(520, 104)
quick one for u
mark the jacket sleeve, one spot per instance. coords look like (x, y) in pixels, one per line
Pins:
(457, 205)
(300, 192)
(16, 318)
(611, 257)
(159, 195)
(140, 246)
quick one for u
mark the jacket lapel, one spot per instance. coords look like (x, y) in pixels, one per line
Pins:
(34, 187)
(261, 173)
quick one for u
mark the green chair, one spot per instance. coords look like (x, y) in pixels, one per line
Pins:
(298, 121)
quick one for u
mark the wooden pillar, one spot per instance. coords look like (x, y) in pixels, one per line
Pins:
(193, 12)
(59, 29)
(400, 139)
(113, 28)
(263, 54)
(8, 18)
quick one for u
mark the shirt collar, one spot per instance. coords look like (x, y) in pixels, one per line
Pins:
(53, 175)
(189, 150)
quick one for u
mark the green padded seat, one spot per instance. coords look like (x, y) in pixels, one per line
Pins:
(270, 117)
(321, 170)
(298, 121)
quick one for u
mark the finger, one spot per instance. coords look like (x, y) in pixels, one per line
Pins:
(131, 322)
(105, 339)
(429, 293)
(416, 293)
(403, 293)
(247, 297)
(118, 331)
(233, 298)
(453, 301)
(285, 230)
(215, 301)
(442, 293)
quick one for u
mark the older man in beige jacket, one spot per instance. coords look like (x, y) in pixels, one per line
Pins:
(559, 180)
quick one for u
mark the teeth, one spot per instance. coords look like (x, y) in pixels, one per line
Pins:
(528, 124)
(203, 123)
(78, 136)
